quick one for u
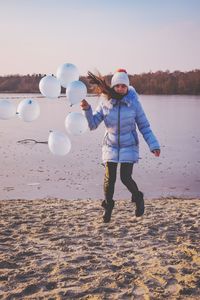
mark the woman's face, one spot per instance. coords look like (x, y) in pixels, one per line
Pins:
(121, 89)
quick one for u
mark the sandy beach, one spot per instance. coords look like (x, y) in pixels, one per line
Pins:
(58, 249)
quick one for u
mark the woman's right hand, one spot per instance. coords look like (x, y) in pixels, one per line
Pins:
(84, 105)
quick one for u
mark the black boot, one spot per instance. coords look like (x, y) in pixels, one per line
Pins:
(108, 207)
(139, 201)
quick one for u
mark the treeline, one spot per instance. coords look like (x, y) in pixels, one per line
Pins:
(161, 83)
(166, 83)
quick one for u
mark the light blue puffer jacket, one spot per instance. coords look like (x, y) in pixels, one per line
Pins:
(120, 143)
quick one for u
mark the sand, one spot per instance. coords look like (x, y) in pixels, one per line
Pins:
(59, 249)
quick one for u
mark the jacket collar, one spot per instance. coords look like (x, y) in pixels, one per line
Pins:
(127, 99)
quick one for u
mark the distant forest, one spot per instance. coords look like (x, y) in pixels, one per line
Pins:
(160, 83)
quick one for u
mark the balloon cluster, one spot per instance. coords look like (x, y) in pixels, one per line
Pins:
(28, 110)
(67, 76)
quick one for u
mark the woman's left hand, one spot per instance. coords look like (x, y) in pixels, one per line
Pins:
(156, 152)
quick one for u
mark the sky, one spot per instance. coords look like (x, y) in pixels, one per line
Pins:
(37, 36)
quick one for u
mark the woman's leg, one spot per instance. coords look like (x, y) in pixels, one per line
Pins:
(109, 186)
(126, 170)
(137, 196)
(109, 180)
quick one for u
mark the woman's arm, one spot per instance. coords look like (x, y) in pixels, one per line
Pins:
(93, 119)
(144, 127)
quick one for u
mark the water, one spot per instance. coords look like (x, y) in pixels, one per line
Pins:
(174, 120)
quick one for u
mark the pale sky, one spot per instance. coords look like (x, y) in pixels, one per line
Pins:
(140, 35)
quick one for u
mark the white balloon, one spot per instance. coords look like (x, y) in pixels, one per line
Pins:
(28, 110)
(76, 123)
(7, 110)
(50, 86)
(67, 73)
(59, 143)
(76, 92)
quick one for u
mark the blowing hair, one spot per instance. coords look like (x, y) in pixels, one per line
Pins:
(100, 86)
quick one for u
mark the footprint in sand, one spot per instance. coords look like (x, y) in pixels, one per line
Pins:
(30, 289)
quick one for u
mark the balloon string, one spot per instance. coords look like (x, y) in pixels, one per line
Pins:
(25, 141)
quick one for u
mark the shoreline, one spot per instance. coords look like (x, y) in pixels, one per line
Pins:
(60, 249)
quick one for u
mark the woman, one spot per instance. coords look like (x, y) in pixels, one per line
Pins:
(121, 111)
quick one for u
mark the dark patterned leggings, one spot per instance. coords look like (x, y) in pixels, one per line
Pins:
(126, 178)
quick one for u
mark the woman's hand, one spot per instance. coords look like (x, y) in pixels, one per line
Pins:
(84, 105)
(156, 152)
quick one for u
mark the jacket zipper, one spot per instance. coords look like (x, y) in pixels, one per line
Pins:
(119, 108)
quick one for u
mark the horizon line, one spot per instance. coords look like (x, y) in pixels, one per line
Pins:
(166, 71)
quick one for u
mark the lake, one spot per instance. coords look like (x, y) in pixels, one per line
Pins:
(30, 171)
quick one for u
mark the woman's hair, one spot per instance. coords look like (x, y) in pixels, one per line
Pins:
(100, 86)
